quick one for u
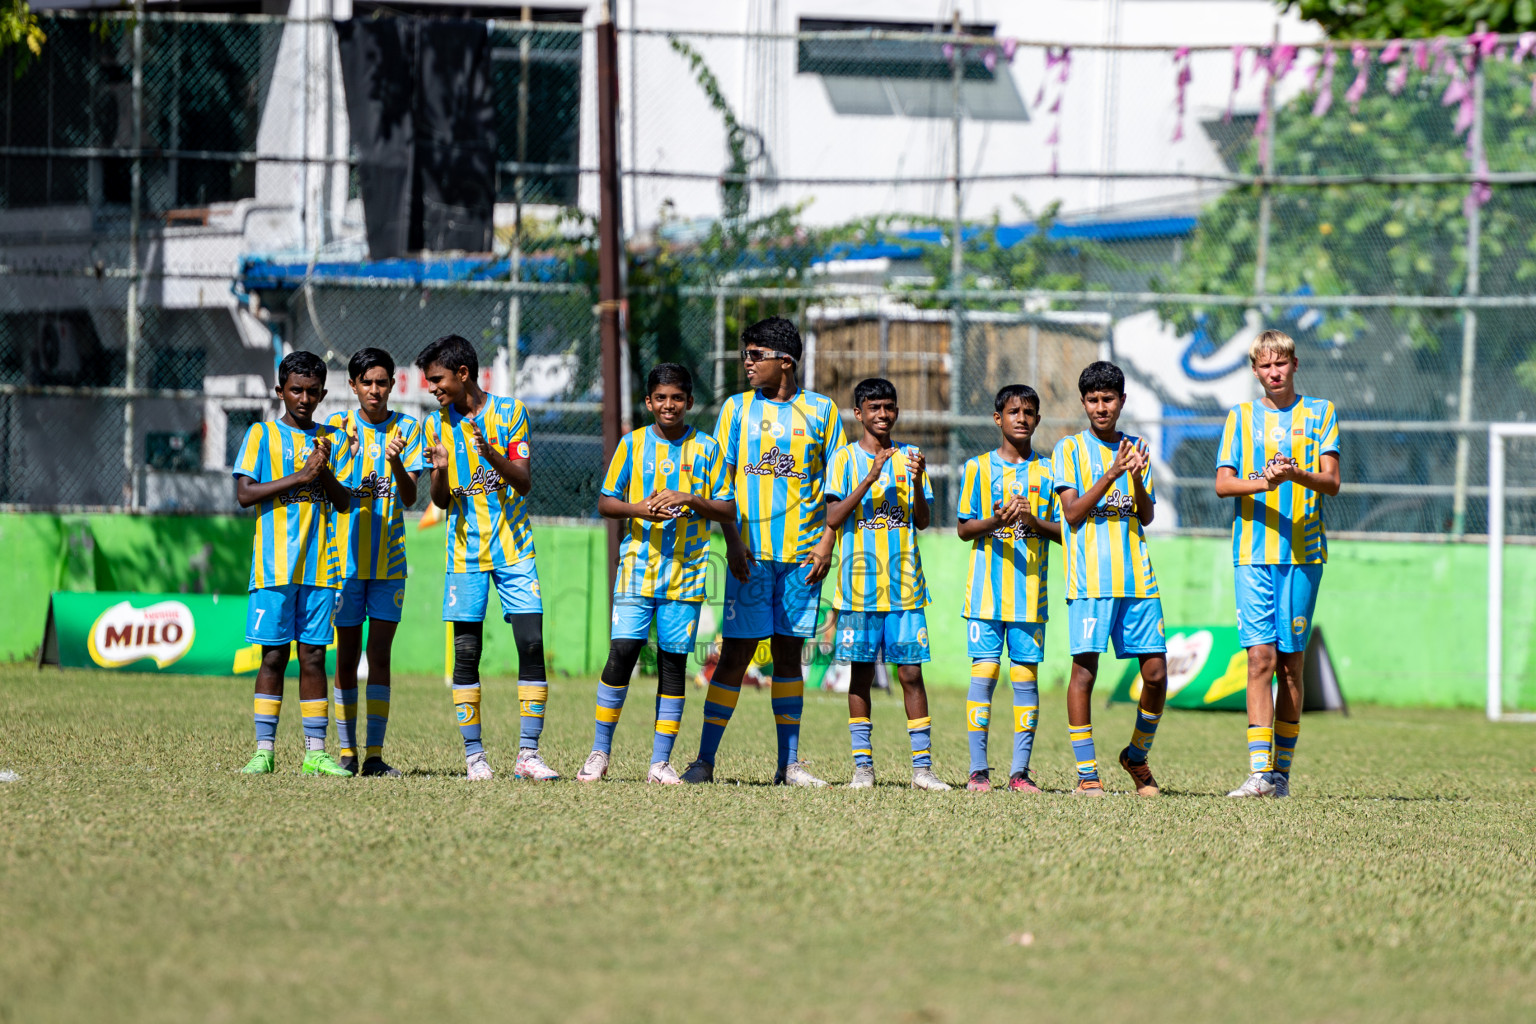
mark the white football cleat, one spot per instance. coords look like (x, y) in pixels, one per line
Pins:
(923, 778)
(1257, 784)
(699, 771)
(662, 772)
(479, 767)
(530, 765)
(863, 777)
(593, 768)
(796, 774)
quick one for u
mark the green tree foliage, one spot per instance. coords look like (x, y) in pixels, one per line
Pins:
(19, 29)
(1375, 239)
(1411, 19)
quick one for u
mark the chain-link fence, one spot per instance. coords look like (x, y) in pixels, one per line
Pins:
(183, 197)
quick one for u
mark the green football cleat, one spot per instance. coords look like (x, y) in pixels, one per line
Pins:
(261, 763)
(320, 762)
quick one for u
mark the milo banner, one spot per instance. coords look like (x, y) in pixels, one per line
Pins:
(186, 634)
(1208, 670)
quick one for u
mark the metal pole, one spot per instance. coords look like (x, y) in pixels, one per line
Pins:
(1495, 704)
(610, 285)
(515, 300)
(135, 199)
(1261, 255)
(956, 278)
(1469, 316)
(719, 361)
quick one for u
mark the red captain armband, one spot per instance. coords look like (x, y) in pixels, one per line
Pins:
(518, 451)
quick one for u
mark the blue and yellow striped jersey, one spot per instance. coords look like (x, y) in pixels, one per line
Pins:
(295, 532)
(778, 453)
(1283, 526)
(487, 520)
(665, 560)
(1107, 554)
(371, 534)
(1008, 566)
(881, 569)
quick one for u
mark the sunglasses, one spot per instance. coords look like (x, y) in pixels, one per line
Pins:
(752, 355)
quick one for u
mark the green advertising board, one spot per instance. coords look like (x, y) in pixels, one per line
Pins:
(1207, 669)
(186, 634)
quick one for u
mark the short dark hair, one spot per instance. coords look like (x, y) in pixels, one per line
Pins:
(1008, 392)
(1101, 376)
(300, 364)
(669, 373)
(450, 352)
(873, 389)
(365, 359)
(776, 333)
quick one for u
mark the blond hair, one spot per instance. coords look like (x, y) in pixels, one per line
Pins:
(1274, 341)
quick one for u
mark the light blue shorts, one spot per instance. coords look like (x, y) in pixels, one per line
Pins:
(370, 599)
(984, 640)
(1275, 603)
(676, 621)
(467, 594)
(1135, 624)
(776, 599)
(275, 616)
(896, 638)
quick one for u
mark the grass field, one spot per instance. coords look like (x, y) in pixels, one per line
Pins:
(142, 879)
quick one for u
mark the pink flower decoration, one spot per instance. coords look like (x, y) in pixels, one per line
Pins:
(1237, 78)
(1421, 55)
(989, 58)
(1325, 83)
(1464, 115)
(949, 52)
(1526, 44)
(1393, 51)
(1397, 78)
(1456, 92)
(1357, 88)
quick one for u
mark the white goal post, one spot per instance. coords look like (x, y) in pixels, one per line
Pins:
(1497, 432)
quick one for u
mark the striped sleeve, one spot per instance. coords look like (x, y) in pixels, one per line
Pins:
(721, 486)
(835, 438)
(1330, 430)
(1146, 474)
(726, 429)
(517, 436)
(838, 486)
(1064, 461)
(413, 457)
(970, 491)
(250, 463)
(1050, 505)
(616, 482)
(1227, 454)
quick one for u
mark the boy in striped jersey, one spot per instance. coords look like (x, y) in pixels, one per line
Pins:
(479, 448)
(287, 469)
(878, 497)
(382, 460)
(1104, 480)
(777, 439)
(1008, 511)
(669, 481)
(1277, 456)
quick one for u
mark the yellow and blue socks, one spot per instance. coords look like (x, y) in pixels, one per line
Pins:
(1261, 749)
(378, 718)
(859, 735)
(466, 710)
(719, 704)
(610, 704)
(1142, 736)
(918, 730)
(316, 715)
(1285, 745)
(268, 707)
(788, 703)
(1026, 713)
(531, 699)
(671, 691)
(1082, 751)
(978, 711)
(346, 721)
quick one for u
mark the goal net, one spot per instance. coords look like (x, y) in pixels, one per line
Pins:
(1511, 572)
